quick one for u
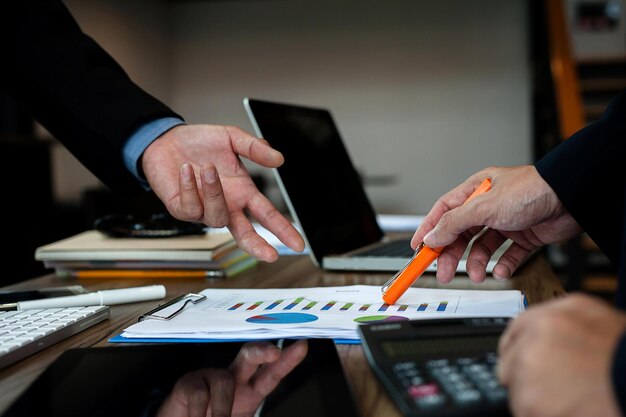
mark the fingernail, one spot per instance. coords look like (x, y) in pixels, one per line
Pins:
(429, 236)
(499, 277)
(209, 176)
(185, 171)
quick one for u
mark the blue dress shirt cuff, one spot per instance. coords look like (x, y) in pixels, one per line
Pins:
(139, 141)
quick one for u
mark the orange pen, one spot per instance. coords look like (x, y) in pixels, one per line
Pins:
(423, 257)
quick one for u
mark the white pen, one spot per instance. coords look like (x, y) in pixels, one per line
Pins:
(96, 298)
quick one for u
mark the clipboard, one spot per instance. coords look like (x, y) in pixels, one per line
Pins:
(187, 299)
(221, 314)
(190, 298)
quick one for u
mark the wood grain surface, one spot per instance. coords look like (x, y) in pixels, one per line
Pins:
(536, 279)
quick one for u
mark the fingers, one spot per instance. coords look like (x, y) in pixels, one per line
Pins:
(249, 240)
(210, 206)
(456, 216)
(510, 260)
(195, 388)
(270, 218)
(222, 388)
(190, 202)
(449, 259)
(429, 222)
(215, 208)
(200, 390)
(270, 375)
(264, 365)
(250, 357)
(483, 248)
(254, 149)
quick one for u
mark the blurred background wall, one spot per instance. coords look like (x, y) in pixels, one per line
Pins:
(425, 93)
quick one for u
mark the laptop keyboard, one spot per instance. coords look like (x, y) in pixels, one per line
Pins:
(23, 333)
(394, 249)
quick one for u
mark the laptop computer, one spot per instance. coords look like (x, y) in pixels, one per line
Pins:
(324, 192)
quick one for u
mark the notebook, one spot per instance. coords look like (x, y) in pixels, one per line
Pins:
(324, 192)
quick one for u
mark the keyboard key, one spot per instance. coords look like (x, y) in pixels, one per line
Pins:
(23, 333)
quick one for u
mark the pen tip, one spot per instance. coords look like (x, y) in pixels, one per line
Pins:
(8, 307)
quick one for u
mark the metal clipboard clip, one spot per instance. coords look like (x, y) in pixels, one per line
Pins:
(184, 299)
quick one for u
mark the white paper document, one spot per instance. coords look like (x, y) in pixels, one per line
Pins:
(323, 312)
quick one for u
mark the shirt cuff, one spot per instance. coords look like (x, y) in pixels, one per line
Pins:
(619, 373)
(141, 139)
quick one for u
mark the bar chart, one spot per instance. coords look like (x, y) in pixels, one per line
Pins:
(336, 306)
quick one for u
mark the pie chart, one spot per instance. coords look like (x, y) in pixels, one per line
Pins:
(282, 318)
(379, 318)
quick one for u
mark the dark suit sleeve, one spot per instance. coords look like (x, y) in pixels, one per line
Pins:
(73, 87)
(587, 173)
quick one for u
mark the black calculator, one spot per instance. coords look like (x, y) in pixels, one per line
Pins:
(439, 367)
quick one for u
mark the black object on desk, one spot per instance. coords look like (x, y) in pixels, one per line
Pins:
(134, 380)
(9, 296)
(439, 367)
(157, 225)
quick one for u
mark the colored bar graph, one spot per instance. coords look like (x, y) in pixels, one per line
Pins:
(236, 306)
(294, 303)
(364, 307)
(309, 306)
(346, 306)
(442, 306)
(403, 307)
(274, 304)
(255, 305)
(422, 307)
(383, 307)
(329, 305)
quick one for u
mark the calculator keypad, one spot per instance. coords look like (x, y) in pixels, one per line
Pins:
(458, 382)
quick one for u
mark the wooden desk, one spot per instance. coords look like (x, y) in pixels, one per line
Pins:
(536, 279)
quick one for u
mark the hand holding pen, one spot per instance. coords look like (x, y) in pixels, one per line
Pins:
(423, 257)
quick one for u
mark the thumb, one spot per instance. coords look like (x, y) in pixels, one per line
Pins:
(450, 226)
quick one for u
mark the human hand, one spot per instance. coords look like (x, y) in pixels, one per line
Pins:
(520, 206)
(238, 391)
(556, 358)
(196, 171)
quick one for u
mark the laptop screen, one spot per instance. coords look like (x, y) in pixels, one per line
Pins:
(321, 186)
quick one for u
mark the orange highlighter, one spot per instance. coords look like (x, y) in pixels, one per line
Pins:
(423, 257)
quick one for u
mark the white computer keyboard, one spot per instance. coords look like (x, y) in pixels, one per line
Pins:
(23, 333)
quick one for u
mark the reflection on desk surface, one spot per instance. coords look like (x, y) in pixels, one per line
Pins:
(302, 378)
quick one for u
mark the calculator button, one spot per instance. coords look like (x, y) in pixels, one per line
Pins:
(466, 361)
(403, 366)
(431, 401)
(437, 363)
(427, 395)
(417, 380)
(469, 396)
(423, 390)
(496, 395)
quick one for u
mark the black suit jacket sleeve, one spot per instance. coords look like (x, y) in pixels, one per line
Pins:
(73, 87)
(587, 172)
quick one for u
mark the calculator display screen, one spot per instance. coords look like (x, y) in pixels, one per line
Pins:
(439, 346)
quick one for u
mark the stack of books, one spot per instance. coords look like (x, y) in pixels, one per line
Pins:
(92, 254)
